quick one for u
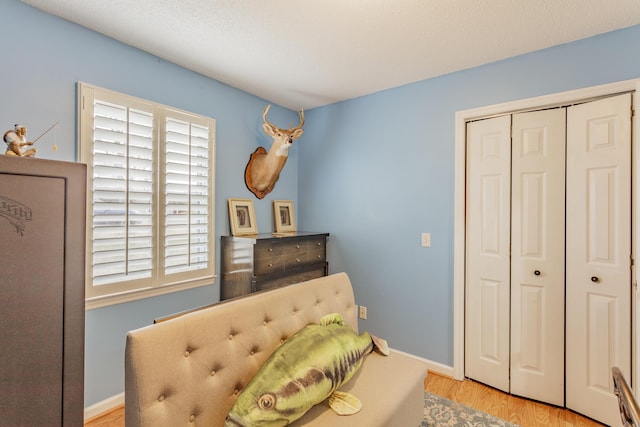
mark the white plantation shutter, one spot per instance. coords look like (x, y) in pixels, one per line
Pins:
(187, 197)
(150, 202)
(122, 222)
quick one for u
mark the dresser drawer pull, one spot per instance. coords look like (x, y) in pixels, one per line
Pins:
(270, 249)
(297, 246)
(269, 265)
(297, 259)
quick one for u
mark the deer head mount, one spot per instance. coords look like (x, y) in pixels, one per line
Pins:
(263, 170)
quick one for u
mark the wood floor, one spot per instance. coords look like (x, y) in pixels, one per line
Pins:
(524, 412)
(113, 418)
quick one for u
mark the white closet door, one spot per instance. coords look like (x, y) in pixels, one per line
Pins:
(537, 255)
(487, 275)
(598, 254)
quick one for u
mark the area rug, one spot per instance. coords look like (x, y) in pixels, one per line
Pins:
(439, 411)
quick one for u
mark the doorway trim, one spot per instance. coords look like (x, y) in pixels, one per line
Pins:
(459, 242)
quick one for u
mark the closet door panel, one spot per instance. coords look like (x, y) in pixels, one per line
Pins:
(537, 263)
(598, 254)
(487, 293)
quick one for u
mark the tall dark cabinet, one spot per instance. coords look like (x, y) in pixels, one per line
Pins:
(42, 244)
(268, 261)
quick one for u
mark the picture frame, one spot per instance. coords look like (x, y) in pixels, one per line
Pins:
(242, 217)
(284, 216)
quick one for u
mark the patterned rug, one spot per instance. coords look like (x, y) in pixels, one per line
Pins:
(439, 411)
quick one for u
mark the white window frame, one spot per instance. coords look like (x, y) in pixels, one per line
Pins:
(158, 283)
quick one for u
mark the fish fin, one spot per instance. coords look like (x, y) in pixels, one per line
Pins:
(381, 345)
(344, 403)
(332, 318)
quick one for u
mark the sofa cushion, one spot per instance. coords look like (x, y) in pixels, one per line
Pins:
(391, 390)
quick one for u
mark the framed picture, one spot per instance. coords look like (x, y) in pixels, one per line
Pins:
(284, 216)
(242, 217)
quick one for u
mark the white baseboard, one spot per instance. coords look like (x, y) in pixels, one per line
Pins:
(431, 365)
(117, 400)
(103, 406)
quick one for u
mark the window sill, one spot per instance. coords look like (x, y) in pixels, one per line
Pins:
(138, 294)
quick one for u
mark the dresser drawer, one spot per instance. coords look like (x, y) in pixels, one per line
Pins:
(267, 249)
(268, 265)
(304, 258)
(317, 244)
(304, 274)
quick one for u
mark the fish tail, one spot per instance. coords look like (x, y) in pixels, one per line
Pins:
(380, 345)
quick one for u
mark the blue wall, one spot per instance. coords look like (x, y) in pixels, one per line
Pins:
(46, 57)
(378, 170)
(375, 171)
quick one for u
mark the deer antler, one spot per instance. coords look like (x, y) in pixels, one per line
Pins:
(267, 122)
(301, 114)
(264, 115)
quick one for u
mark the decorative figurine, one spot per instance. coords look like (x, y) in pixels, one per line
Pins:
(16, 140)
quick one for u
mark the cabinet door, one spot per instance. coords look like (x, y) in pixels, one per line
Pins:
(32, 227)
(598, 254)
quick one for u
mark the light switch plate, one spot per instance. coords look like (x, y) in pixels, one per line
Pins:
(426, 240)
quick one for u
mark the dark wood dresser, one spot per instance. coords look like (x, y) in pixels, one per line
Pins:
(268, 261)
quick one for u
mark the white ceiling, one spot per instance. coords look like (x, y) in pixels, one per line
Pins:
(305, 53)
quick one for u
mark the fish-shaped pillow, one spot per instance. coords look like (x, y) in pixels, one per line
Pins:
(304, 371)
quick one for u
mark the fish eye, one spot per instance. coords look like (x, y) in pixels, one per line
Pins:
(267, 401)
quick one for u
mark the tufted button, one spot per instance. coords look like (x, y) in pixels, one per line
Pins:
(230, 336)
(186, 353)
(236, 391)
(192, 418)
(282, 340)
(213, 372)
(161, 398)
(252, 352)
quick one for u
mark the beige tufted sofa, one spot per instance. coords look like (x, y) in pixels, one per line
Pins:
(188, 370)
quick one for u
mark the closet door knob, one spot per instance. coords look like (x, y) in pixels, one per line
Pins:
(594, 279)
(537, 272)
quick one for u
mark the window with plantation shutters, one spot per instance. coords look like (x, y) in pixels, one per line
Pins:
(150, 196)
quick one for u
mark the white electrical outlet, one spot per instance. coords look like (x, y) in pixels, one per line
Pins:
(363, 312)
(426, 240)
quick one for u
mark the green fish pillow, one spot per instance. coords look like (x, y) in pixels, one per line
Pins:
(304, 371)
